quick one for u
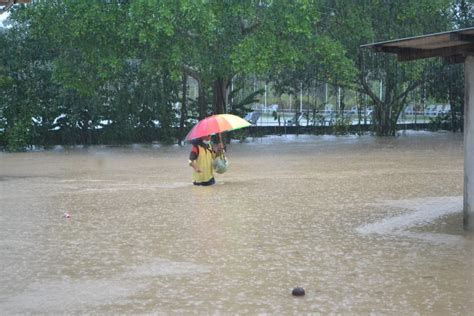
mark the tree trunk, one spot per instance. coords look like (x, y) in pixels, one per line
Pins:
(184, 110)
(85, 131)
(219, 91)
(386, 112)
(342, 101)
(202, 101)
(452, 102)
(385, 121)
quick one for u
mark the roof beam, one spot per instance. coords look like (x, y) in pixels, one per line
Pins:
(455, 59)
(407, 54)
(390, 49)
(462, 37)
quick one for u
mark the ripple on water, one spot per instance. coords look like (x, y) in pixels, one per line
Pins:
(422, 211)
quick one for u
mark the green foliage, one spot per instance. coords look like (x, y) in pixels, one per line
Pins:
(342, 125)
(240, 135)
(440, 122)
(462, 12)
(377, 21)
(239, 106)
(18, 136)
(80, 71)
(447, 87)
(5, 81)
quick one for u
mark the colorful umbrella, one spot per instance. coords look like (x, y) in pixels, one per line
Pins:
(216, 124)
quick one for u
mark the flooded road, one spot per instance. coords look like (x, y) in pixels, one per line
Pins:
(364, 224)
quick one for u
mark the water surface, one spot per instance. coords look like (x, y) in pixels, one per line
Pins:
(364, 224)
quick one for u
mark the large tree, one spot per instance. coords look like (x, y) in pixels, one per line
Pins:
(450, 83)
(75, 66)
(214, 41)
(355, 23)
(105, 78)
(28, 95)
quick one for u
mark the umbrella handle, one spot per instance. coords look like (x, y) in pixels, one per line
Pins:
(220, 141)
(220, 138)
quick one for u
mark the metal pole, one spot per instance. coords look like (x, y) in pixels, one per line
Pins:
(290, 103)
(326, 93)
(381, 90)
(265, 98)
(338, 98)
(468, 208)
(301, 97)
(231, 89)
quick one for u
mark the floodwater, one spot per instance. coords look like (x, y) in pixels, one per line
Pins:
(363, 224)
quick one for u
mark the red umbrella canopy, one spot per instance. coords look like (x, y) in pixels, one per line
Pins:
(216, 124)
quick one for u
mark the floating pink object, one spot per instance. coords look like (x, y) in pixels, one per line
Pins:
(66, 215)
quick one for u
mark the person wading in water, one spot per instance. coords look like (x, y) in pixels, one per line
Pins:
(200, 159)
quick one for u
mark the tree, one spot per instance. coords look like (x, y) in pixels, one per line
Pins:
(378, 20)
(215, 41)
(104, 84)
(27, 101)
(462, 13)
(450, 82)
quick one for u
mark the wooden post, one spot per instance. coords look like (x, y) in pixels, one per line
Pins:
(469, 143)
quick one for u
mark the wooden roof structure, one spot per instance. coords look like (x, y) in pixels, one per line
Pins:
(6, 5)
(453, 46)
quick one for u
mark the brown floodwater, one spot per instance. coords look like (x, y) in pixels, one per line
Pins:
(363, 224)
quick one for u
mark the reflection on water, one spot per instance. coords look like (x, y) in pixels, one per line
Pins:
(364, 224)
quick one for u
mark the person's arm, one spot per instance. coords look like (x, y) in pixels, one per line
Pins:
(194, 165)
(192, 159)
(218, 149)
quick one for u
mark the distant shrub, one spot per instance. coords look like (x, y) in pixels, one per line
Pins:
(18, 136)
(341, 126)
(440, 122)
